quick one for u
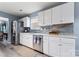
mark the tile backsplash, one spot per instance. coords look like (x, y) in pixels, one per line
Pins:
(63, 29)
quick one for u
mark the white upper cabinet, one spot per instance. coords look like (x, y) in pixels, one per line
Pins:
(41, 19)
(47, 17)
(56, 15)
(26, 21)
(63, 13)
(68, 12)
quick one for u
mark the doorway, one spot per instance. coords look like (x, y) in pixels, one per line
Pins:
(4, 26)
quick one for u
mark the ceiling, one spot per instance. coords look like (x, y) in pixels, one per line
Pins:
(25, 8)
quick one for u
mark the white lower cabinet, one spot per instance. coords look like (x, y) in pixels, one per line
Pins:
(59, 47)
(52, 46)
(45, 44)
(29, 42)
(54, 49)
(67, 47)
(26, 39)
(67, 50)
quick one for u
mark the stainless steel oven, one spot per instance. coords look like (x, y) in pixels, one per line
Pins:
(38, 42)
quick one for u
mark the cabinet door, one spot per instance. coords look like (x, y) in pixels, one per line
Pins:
(21, 38)
(68, 12)
(45, 44)
(54, 48)
(41, 19)
(47, 17)
(56, 15)
(26, 39)
(25, 21)
(67, 47)
(29, 41)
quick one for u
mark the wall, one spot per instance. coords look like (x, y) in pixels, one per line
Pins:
(11, 17)
(76, 27)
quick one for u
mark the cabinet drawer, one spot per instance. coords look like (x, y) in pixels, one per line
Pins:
(67, 41)
(25, 36)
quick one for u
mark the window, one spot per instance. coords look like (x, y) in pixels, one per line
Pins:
(3, 26)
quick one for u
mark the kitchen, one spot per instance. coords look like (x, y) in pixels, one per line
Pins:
(51, 30)
(48, 36)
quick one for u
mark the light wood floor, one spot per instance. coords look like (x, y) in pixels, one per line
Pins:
(7, 51)
(18, 51)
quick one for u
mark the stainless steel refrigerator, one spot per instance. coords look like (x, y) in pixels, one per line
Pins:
(15, 32)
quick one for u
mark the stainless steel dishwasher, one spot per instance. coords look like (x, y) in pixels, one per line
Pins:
(38, 42)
